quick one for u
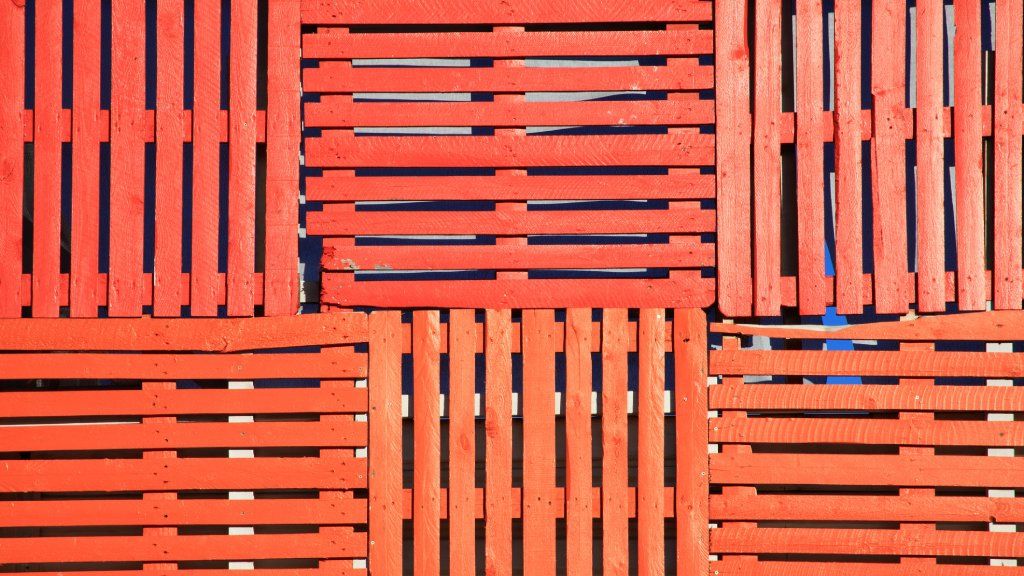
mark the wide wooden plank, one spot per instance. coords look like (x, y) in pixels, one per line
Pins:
(385, 447)
(915, 508)
(689, 334)
(868, 397)
(1008, 282)
(767, 159)
(242, 158)
(919, 364)
(579, 513)
(849, 259)
(462, 339)
(867, 431)
(498, 443)
(650, 465)
(12, 155)
(614, 442)
(930, 149)
(538, 401)
(426, 442)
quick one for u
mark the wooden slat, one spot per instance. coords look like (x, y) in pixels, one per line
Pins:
(538, 440)
(385, 447)
(127, 158)
(810, 168)
(426, 442)
(868, 431)
(868, 363)
(12, 155)
(1006, 271)
(85, 157)
(970, 187)
(47, 154)
(689, 335)
(651, 443)
(579, 508)
(242, 159)
(929, 508)
(868, 397)
(498, 447)
(462, 339)
(767, 159)
(614, 443)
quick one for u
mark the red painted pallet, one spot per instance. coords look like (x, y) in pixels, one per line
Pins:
(256, 138)
(908, 471)
(116, 458)
(533, 155)
(906, 263)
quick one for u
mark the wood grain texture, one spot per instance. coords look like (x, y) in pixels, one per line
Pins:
(650, 478)
(462, 339)
(689, 333)
(579, 503)
(385, 447)
(12, 155)
(498, 443)
(538, 441)
(767, 159)
(914, 364)
(614, 442)
(1008, 282)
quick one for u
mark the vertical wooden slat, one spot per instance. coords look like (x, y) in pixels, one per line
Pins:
(498, 446)
(12, 154)
(689, 348)
(931, 256)
(280, 276)
(385, 443)
(579, 500)
(46, 212)
(538, 401)
(767, 157)
(888, 156)
(206, 159)
(85, 156)
(849, 257)
(650, 475)
(810, 160)
(127, 156)
(1006, 273)
(967, 132)
(462, 442)
(242, 159)
(614, 441)
(732, 152)
(170, 38)
(426, 516)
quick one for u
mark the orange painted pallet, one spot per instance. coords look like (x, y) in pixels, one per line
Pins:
(903, 472)
(150, 168)
(506, 156)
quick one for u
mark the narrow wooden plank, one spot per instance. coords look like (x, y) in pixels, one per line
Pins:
(426, 441)
(650, 484)
(342, 149)
(579, 479)
(538, 440)
(732, 158)
(284, 133)
(47, 155)
(85, 156)
(127, 157)
(614, 442)
(333, 187)
(462, 339)
(868, 397)
(810, 168)
(206, 158)
(12, 155)
(689, 290)
(496, 12)
(923, 508)
(335, 77)
(1006, 272)
(970, 187)
(689, 333)
(849, 259)
(176, 512)
(498, 447)
(340, 111)
(335, 221)
(182, 548)
(331, 43)
(868, 431)
(931, 256)
(767, 158)
(169, 159)
(385, 447)
(242, 159)
(917, 364)
(888, 157)
(110, 475)
(183, 402)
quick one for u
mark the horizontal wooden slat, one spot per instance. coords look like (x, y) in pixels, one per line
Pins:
(341, 77)
(342, 112)
(341, 188)
(333, 222)
(342, 363)
(518, 257)
(909, 508)
(147, 125)
(866, 397)
(926, 364)
(498, 12)
(688, 290)
(328, 43)
(168, 548)
(153, 402)
(879, 542)
(191, 512)
(181, 334)
(866, 431)
(149, 436)
(992, 326)
(742, 566)
(866, 470)
(182, 474)
(341, 149)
